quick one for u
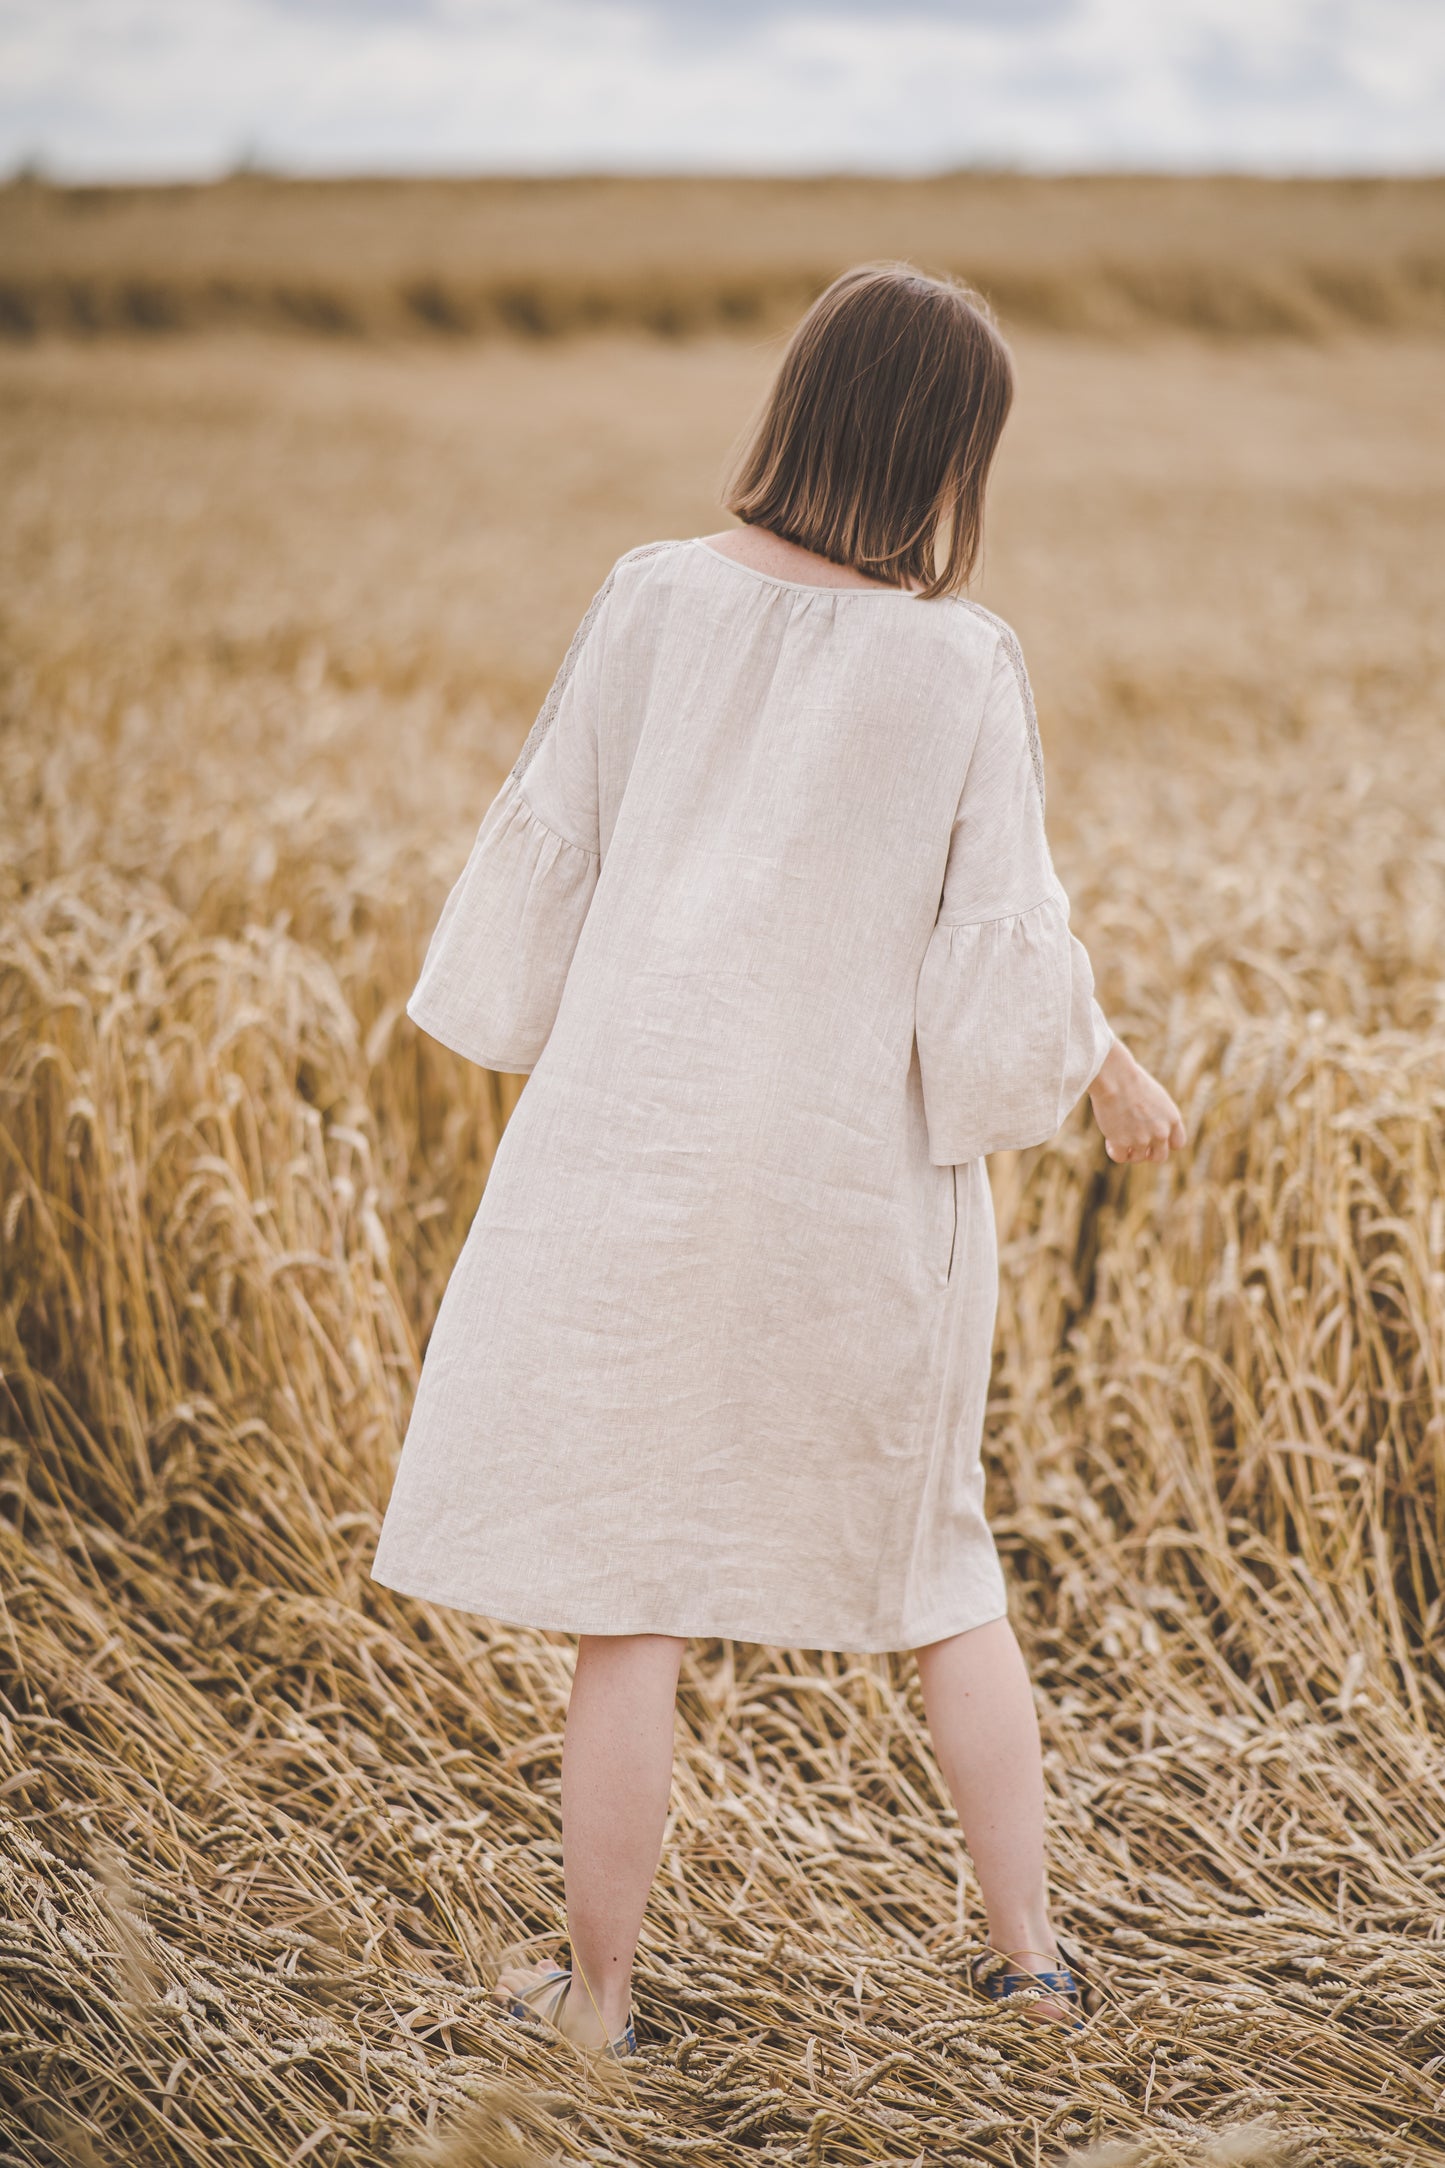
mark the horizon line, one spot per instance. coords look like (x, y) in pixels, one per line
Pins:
(35, 171)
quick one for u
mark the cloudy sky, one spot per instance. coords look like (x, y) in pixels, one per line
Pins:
(181, 87)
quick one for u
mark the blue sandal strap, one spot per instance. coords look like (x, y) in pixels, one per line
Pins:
(996, 1977)
(624, 2044)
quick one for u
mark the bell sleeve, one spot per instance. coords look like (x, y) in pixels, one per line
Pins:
(1009, 1032)
(492, 978)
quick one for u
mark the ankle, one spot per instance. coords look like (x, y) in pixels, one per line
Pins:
(1030, 1943)
(594, 2018)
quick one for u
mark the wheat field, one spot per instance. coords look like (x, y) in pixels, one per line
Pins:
(276, 612)
(1225, 255)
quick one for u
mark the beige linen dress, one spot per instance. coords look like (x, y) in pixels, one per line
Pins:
(767, 912)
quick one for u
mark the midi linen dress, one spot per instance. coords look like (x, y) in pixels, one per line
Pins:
(766, 912)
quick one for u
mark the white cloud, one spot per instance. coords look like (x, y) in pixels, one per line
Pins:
(159, 87)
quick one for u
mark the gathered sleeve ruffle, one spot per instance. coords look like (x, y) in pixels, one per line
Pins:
(492, 980)
(1009, 1032)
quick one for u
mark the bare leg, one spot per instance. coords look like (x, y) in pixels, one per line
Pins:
(616, 1781)
(986, 1734)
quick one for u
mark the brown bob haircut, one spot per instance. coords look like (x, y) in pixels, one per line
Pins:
(880, 427)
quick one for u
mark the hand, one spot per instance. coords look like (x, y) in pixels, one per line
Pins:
(1138, 1117)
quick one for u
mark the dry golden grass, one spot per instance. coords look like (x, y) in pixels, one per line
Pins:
(275, 617)
(1227, 256)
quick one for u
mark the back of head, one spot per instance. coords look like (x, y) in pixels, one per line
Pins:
(880, 428)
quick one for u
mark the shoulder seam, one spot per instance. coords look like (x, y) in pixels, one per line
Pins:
(648, 549)
(1008, 641)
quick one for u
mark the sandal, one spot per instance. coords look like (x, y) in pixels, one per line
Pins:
(995, 1976)
(520, 2005)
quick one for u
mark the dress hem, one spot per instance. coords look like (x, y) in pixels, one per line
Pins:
(755, 1637)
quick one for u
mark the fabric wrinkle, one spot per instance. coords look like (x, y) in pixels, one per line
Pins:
(765, 911)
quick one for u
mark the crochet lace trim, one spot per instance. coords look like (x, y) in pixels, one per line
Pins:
(546, 715)
(1015, 655)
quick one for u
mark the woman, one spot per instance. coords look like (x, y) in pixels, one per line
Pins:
(766, 911)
